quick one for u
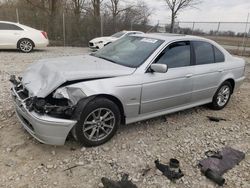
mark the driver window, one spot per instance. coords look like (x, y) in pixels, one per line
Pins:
(177, 54)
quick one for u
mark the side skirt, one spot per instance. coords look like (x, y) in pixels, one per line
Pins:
(165, 112)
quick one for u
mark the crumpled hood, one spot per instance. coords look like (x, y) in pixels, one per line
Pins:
(104, 39)
(46, 75)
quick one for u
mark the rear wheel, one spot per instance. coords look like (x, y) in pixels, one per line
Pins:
(222, 96)
(25, 45)
(98, 123)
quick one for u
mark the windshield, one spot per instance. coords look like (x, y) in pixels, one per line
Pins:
(130, 51)
(118, 35)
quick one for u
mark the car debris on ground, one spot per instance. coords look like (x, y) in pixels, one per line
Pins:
(218, 163)
(216, 119)
(171, 171)
(185, 135)
(123, 183)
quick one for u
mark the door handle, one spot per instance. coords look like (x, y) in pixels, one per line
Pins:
(189, 75)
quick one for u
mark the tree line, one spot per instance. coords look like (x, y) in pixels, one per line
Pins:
(84, 19)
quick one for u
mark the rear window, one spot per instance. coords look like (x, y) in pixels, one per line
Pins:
(204, 53)
(219, 56)
(6, 26)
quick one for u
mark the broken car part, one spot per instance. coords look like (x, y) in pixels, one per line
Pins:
(52, 106)
(171, 171)
(123, 183)
(214, 154)
(216, 119)
(214, 176)
(219, 163)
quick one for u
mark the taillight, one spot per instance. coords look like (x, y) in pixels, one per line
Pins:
(45, 34)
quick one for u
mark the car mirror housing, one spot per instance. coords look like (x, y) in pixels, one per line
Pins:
(160, 68)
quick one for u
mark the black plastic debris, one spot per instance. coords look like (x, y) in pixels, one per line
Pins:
(124, 183)
(13, 80)
(214, 154)
(216, 119)
(218, 163)
(171, 171)
(145, 171)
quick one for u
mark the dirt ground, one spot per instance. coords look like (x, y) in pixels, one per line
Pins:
(186, 135)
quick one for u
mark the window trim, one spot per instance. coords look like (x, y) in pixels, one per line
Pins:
(20, 29)
(213, 47)
(195, 62)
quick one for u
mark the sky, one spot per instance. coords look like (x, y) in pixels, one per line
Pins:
(207, 10)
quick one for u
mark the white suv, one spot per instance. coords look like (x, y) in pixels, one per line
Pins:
(18, 36)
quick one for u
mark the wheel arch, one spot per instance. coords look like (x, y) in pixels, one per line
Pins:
(118, 103)
(83, 102)
(17, 45)
(232, 82)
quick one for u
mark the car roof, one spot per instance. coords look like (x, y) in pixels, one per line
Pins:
(9, 22)
(131, 31)
(171, 37)
(15, 23)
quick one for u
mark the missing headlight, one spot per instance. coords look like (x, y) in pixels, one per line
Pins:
(53, 107)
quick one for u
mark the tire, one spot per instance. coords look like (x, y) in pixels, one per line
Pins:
(92, 129)
(219, 100)
(25, 45)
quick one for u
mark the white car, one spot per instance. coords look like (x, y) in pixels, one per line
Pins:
(100, 42)
(24, 38)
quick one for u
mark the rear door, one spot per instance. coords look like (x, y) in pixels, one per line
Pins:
(208, 70)
(9, 35)
(163, 91)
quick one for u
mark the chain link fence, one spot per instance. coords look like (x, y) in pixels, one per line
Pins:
(234, 36)
(66, 30)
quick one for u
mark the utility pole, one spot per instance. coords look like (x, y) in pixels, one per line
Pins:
(17, 15)
(64, 35)
(244, 38)
(101, 19)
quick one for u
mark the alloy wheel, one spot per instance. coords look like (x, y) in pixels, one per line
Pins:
(223, 95)
(99, 124)
(26, 46)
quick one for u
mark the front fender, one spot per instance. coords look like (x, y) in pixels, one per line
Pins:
(80, 107)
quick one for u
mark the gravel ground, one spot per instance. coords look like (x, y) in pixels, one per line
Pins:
(186, 135)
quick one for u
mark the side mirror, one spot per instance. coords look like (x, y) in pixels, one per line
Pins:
(160, 68)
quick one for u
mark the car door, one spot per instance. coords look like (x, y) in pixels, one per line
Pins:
(9, 35)
(207, 71)
(163, 91)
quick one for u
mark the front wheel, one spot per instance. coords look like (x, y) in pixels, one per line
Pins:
(222, 96)
(25, 45)
(98, 123)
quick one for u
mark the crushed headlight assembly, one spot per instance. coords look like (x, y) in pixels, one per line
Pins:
(59, 107)
(71, 93)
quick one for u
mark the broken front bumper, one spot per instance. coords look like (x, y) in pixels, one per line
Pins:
(46, 129)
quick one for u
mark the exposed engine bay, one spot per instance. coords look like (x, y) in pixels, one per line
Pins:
(55, 107)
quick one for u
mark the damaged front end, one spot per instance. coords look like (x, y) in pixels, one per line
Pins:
(58, 104)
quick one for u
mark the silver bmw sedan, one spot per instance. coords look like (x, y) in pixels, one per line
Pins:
(135, 78)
